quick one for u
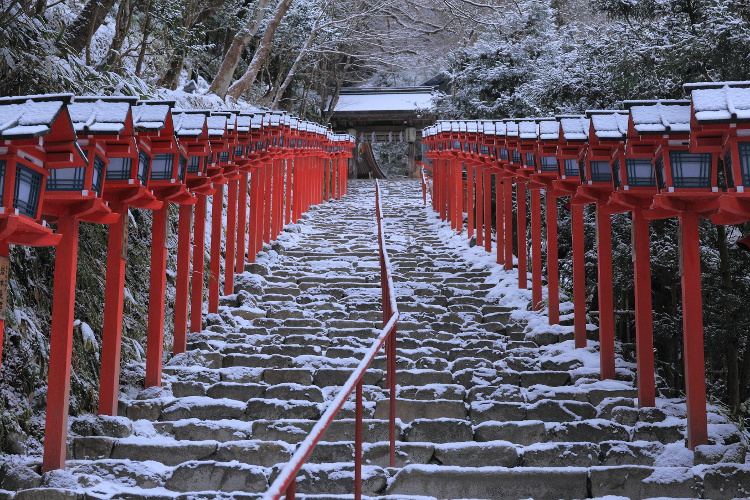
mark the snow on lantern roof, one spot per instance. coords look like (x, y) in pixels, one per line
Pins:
(27, 117)
(151, 115)
(528, 129)
(549, 129)
(100, 115)
(257, 121)
(275, 120)
(501, 128)
(511, 128)
(243, 122)
(230, 115)
(217, 125)
(472, 127)
(294, 123)
(609, 124)
(188, 124)
(720, 102)
(462, 126)
(659, 117)
(394, 100)
(446, 126)
(488, 128)
(574, 127)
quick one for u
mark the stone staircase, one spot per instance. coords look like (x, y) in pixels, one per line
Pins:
(483, 411)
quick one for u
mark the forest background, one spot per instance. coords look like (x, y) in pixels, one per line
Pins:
(494, 58)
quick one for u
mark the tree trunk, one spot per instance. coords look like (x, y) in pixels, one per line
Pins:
(78, 35)
(172, 77)
(261, 53)
(334, 102)
(144, 44)
(224, 77)
(122, 28)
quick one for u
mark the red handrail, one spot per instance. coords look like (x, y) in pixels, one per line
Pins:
(285, 483)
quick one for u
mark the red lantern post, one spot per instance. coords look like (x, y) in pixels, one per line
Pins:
(570, 155)
(73, 194)
(168, 168)
(546, 172)
(607, 134)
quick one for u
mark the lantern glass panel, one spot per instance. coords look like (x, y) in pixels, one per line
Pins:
(259, 145)
(183, 168)
(144, 163)
(530, 160)
(582, 169)
(516, 157)
(600, 171)
(66, 179)
(640, 172)
(98, 175)
(728, 169)
(503, 154)
(690, 170)
(161, 168)
(26, 193)
(457, 145)
(548, 164)
(194, 164)
(293, 143)
(238, 151)
(571, 167)
(440, 146)
(744, 149)
(2, 181)
(223, 157)
(119, 169)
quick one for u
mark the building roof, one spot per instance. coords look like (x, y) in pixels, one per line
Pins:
(549, 129)
(101, 115)
(609, 124)
(390, 100)
(151, 116)
(528, 129)
(574, 127)
(721, 102)
(659, 117)
(188, 124)
(30, 116)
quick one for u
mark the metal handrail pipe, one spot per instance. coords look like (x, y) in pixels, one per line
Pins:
(285, 482)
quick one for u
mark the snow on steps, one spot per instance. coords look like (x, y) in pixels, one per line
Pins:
(492, 402)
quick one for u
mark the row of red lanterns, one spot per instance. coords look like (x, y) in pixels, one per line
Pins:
(67, 160)
(655, 159)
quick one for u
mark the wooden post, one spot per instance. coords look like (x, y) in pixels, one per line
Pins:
(553, 274)
(500, 219)
(508, 199)
(579, 275)
(157, 288)
(479, 205)
(182, 282)
(239, 263)
(692, 326)
(521, 231)
(606, 300)
(487, 190)
(217, 208)
(199, 263)
(268, 199)
(61, 345)
(231, 235)
(536, 248)
(644, 333)
(114, 295)
(470, 200)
